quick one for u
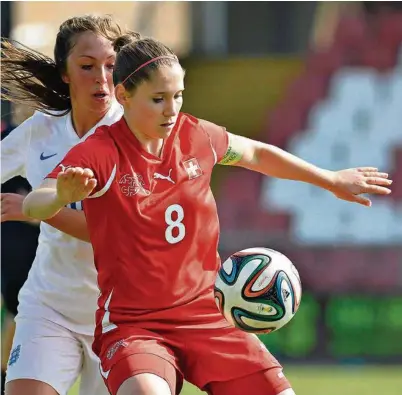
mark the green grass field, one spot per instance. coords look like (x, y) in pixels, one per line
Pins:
(311, 380)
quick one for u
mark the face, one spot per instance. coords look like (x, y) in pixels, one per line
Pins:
(89, 73)
(152, 109)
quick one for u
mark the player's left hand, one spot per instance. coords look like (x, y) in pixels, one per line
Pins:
(350, 184)
(11, 208)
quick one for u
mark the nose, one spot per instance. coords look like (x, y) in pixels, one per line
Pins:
(171, 109)
(101, 76)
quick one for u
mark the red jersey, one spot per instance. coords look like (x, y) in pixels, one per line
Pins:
(153, 224)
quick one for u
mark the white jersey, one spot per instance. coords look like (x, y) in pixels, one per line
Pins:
(63, 274)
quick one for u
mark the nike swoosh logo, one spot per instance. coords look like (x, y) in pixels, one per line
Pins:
(44, 157)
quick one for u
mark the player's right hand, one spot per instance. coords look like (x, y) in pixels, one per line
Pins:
(74, 184)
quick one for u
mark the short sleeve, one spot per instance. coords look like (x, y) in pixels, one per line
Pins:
(15, 148)
(218, 137)
(78, 156)
(96, 154)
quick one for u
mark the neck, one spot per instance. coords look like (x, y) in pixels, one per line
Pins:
(83, 121)
(150, 145)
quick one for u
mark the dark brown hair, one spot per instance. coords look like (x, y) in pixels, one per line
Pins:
(134, 51)
(31, 78)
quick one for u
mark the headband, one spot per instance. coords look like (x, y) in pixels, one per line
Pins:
(147, 63)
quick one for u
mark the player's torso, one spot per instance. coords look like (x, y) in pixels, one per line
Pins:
(63, 273)
(165, 211)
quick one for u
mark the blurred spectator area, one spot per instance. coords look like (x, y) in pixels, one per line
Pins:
(344, 110)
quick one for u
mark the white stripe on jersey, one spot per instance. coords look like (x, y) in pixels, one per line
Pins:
(107, 185)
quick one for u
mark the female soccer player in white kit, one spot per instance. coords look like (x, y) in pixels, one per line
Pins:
(74, 95)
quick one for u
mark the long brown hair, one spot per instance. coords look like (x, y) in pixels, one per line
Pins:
(28, 77)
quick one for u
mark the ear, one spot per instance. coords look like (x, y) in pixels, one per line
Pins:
(65, 78)
(121, 94)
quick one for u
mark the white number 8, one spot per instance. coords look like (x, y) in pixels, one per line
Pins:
(177, 223)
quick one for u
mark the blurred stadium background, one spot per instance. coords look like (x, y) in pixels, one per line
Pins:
(323, 80)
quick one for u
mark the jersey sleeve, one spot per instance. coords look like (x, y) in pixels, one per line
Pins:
(15, 148)
(218, 137)
(95, 154)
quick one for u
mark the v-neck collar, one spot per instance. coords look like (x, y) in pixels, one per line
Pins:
(73, 134)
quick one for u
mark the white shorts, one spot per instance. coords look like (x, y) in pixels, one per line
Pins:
(48, 352)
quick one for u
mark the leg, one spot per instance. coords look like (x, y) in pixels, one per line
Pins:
(142, 374)
(145, 384)
(236, 354)
(46, 359)
(7, 335)
(268, 382)
(91, 382)
(138, 362)
(28, 386)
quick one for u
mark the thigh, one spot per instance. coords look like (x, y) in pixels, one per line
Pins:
(128, 352)
(143, 374)
(266, 382)
(222, 355)
(91, 382)
(45, 352)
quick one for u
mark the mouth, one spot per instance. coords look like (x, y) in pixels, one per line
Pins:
(100, 95)
(167, 124)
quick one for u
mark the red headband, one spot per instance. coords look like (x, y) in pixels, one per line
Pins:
(147, 63)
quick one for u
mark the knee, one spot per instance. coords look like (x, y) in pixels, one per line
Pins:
(145, 384)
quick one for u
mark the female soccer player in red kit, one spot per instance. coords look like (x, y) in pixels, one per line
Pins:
(154, 228)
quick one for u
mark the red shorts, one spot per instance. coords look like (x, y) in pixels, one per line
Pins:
(212, 359)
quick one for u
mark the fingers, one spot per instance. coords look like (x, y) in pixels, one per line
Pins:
(366, 169)
(377, 174)
(78, 174)
(378, 181)
(362, 200)
(4, 217)
(90, 185)
(376, 189)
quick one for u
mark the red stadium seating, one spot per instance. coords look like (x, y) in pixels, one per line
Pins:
(335, 268)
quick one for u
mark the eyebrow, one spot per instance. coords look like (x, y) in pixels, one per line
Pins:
(162, 93)
(89, 56)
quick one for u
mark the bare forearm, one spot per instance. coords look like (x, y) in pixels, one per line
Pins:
(72, 222)
(42, 204)
(275, 162)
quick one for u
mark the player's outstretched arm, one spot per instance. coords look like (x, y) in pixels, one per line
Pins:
(272, 161)
(72, 185)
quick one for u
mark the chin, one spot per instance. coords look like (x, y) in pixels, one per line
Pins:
(101, 109)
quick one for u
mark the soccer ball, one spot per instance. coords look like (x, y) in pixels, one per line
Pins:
(258, 290)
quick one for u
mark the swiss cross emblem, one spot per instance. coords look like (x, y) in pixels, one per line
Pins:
(192, 167)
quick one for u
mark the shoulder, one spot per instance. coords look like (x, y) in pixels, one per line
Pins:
(100, 141)
(42, 125)
(215, 136)
(190, 122)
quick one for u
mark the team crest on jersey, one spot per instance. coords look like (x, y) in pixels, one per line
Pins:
(133, 184)
(193, 168)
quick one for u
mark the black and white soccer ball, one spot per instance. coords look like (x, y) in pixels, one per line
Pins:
(258, 290)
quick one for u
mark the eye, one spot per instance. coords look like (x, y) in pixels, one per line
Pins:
(157, 99)
(110, 66)
(179, 96)
(86, 67)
